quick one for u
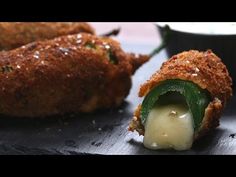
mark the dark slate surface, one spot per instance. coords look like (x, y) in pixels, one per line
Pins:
(105, 132)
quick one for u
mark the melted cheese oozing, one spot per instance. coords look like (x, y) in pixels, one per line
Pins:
(169, 127)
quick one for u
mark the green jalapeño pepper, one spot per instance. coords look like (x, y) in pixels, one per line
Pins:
(196, 98)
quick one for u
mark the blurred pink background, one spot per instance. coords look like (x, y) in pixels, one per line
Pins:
(143, 33)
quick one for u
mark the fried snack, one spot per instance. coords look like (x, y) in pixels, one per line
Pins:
(194, 87)
(16, 34)
(68, 74)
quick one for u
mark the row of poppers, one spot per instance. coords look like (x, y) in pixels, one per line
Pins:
(58, 68)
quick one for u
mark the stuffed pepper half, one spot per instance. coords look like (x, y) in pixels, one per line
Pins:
(182, 101)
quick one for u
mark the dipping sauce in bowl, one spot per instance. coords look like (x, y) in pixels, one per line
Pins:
(219, 37)
(211, 28)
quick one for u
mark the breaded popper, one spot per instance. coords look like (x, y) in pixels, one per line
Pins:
(16, 34)
(73, 73)
(183, 100)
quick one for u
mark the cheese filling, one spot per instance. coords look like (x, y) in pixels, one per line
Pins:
(169, 126)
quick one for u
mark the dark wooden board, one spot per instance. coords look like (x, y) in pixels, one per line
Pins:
(105, 132)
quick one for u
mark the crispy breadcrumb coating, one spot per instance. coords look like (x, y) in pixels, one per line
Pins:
(204, 69)
(73, 73)
(16, 34)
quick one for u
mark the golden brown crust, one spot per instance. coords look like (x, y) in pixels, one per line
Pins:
(203, 68)
(63, 75)
(16, 34)
(211, 118)
(136, 124)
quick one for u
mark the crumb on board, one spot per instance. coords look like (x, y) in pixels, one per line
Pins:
(232, 135)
